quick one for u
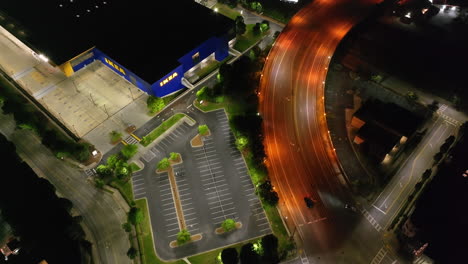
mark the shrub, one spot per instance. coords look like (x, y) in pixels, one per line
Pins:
(228, 225)
(174, 156)
(203, 130)
(164, 164)
(183, 237)
(115, 136)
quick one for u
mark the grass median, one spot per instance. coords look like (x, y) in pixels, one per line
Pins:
(153, 135)
(249, 38)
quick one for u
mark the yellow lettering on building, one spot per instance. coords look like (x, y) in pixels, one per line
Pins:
(115, 66)
(169, 78)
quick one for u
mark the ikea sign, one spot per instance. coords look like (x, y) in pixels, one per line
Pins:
(114, 65)
(168, 79)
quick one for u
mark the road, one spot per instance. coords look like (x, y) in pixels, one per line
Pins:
(100, 212)
(301, 159)
(388, 203)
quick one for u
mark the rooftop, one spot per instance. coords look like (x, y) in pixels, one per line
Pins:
(147, 37)
(389, 116)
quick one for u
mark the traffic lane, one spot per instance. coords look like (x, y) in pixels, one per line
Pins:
(420, 160)
(280, 140)
(425, 161)
(99, 211)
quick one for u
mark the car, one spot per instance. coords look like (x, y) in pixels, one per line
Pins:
(309, 202)
(352, 208)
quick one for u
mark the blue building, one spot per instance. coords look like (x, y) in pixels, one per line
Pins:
(140, 40)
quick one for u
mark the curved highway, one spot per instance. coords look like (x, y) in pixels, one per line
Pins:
(301, 159)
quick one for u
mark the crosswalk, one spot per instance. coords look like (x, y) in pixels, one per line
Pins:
(380, 256)
(447, 118)
(371, 220)
(131, 140)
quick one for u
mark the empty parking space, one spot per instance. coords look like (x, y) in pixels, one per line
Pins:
(245, 181)
(139, 186)
(186, 195)
(166, 201)
(213, 181)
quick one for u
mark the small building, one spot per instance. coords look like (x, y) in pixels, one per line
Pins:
(382, 128)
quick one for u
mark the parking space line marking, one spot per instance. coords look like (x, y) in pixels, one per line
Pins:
(221, 205)
(214, 163)
(214, 197)
(220, 200)
(191, 220)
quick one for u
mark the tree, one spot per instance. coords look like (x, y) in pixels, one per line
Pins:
(426, 174)
(240, 25)
(115, 136)
(127, 227)
(65, 204)
(81, 151)
(241, 142)
(128, 151)
(132, 253)
(135, 216)
(270, 249)
(265, 25)
(103, 170)
(267, 193)
(257, 29)
(155, 104)
(228, 225)
(229, 256)
(203, 130)
(99, 183)
(122, 169)
(174, 156)
(112, 161)
(183, 237)
(202, 94)
(163, 164)
(248, 254)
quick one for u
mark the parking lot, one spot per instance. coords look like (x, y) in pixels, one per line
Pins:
(213, 184)
(248, 189)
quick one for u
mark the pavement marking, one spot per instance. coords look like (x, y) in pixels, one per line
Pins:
(379, 256)
(371, 220)
(380, 209)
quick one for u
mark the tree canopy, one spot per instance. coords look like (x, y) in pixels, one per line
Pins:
(135, 216)
(155, 104)
(183, 237)
(229, 256)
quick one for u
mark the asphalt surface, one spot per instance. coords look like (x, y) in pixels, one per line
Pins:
(213, 184)
(301, 159)
(388, 203)
(100, 212)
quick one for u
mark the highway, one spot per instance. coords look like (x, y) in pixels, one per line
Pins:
(301, 159)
